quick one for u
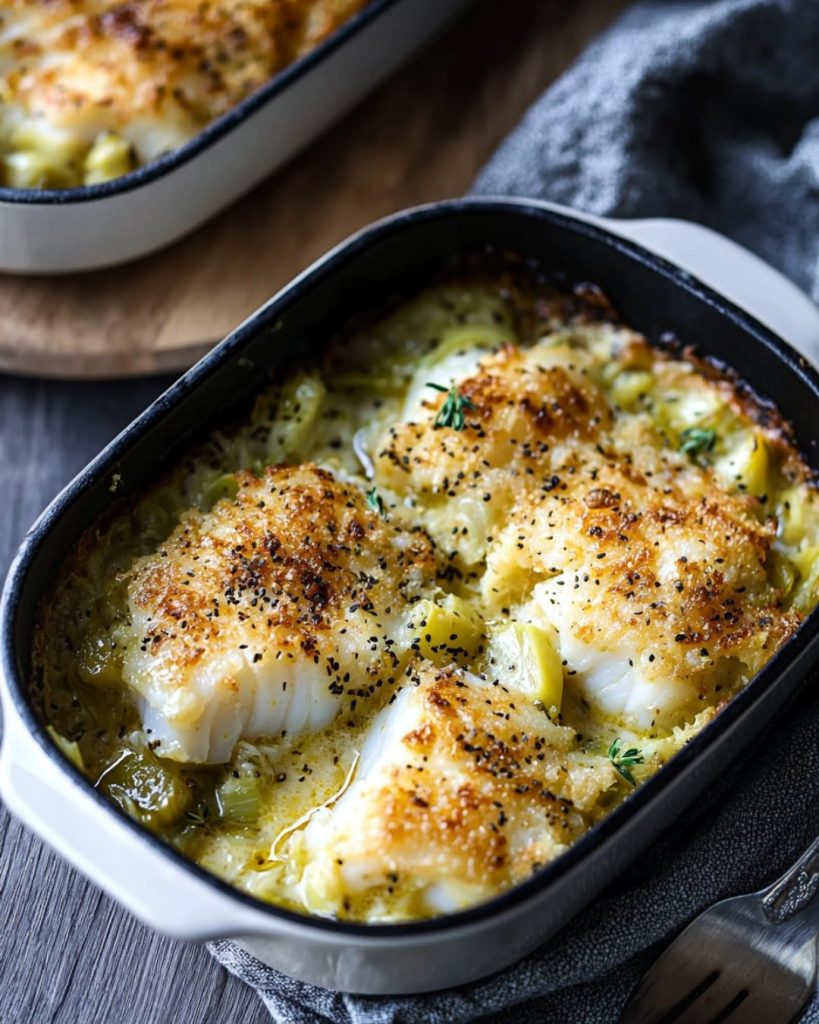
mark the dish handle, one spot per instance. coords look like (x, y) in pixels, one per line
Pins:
(128, 865)
(739, 275)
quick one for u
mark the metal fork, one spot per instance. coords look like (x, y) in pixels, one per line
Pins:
(746, 960)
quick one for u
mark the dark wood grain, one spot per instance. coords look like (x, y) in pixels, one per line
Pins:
(68, 954)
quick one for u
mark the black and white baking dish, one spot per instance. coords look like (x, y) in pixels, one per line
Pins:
(656, 295)
(50, 231)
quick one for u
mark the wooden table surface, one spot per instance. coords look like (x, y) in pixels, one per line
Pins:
(68, 954)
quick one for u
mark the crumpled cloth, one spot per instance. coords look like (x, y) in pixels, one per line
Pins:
(687, 108)
(708, 111)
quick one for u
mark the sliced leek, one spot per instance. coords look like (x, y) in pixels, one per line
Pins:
(525, 658)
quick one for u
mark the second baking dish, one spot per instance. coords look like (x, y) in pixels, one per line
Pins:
(59, 231)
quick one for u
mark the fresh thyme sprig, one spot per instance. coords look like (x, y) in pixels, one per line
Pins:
(451, 413)
(625, 761)
(696, 440)
(376, 502)
(199, 816)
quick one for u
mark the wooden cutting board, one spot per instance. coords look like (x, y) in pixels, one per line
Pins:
(421, 137)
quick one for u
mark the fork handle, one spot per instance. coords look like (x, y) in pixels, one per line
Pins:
(795, 889)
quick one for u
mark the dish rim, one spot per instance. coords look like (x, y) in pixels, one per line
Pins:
(211, 133)
(103, 463)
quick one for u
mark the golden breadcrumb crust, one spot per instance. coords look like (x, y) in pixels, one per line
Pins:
(479, 767)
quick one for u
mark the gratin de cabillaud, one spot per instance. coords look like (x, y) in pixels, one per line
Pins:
(452, 590)
(91, 89)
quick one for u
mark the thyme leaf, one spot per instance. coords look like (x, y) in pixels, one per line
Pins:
(376, 503)
(624, 761)
(198, 816)
(696, 440)
(451, 413)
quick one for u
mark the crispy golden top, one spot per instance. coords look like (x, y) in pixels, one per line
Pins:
(674, 571)
(264, 613)
(296, 552)
(520, 404)
(470, 789)
(623, 544)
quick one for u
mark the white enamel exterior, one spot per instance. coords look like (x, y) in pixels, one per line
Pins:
(67, 236)
(735, 273)
(182, 904)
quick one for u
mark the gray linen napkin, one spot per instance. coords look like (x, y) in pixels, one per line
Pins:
(710, 111)
(704, 110)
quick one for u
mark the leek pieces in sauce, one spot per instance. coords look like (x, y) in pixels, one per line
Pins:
(446, 596)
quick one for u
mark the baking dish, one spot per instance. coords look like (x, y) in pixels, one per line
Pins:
(657, 297)
(50, 231)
